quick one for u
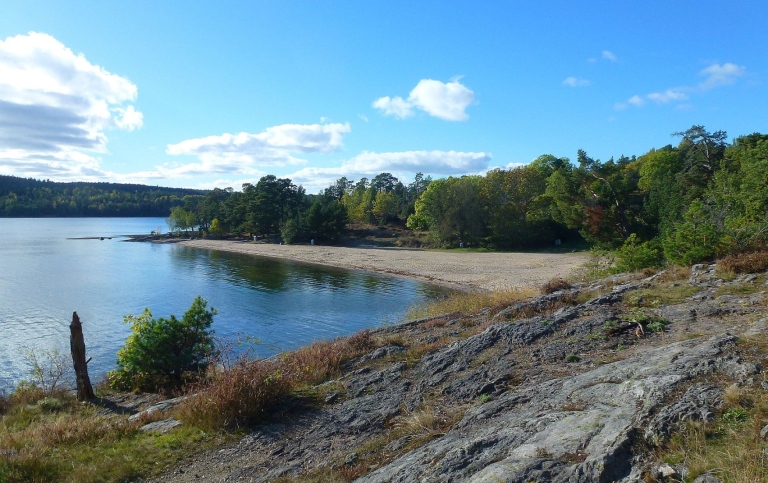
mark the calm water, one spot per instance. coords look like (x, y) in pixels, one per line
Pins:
(44, 277)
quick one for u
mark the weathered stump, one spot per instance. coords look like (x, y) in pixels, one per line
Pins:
(77, 346)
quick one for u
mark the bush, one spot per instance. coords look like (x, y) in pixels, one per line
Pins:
(238, 395)
(243, 394)
(160, 352)
(744, 262)
(633, 256)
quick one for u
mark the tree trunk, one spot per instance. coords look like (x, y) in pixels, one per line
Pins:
(77, 346)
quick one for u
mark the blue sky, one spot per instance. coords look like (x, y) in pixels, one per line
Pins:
(204, 94)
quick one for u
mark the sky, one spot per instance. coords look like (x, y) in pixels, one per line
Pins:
(216, 94)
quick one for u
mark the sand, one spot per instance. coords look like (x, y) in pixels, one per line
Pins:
(457, 270)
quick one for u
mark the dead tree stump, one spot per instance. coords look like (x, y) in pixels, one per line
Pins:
(77, 346)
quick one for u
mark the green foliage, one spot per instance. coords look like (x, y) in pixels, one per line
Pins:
(21, 197)
(385, 207)
(734, 417)
(326, 220)
(694, 240)
(160, 352)
(292, 231)
(634, 255)
(651, 323)
(451, 209)
(572, 358)
(181, 219)
(216, 228)
(515, 210)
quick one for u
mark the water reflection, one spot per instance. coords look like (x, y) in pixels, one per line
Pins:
(47, 276)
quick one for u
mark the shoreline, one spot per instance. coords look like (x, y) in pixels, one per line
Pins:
(463, 271)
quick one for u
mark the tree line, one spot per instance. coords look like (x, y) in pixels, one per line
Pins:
(276, 207)
(699, 200)
(26, 197)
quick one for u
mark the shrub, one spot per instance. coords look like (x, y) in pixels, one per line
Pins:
(161, 351)
(238, 395)
(744, 262)
(572, 358)
(48, 369)
(633, 256)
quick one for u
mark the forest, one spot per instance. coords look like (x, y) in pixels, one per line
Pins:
(26, 197)
(698, 200)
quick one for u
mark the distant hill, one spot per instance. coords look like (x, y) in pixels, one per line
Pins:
(27, 197)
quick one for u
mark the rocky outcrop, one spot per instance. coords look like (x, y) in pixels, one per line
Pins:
(573, 392)
(574, 429)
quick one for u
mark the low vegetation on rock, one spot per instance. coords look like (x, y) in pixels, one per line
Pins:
(623, 378)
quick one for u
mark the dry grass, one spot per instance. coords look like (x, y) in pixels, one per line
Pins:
(753, 262)
(471, 303)
(237, 395)
(664, 294)
(414, 428)
(55, 438)
(675, 274)
(554, 285)
(243, 393)
(730, 447)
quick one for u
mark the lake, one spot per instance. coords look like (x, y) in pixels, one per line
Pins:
(46, 273)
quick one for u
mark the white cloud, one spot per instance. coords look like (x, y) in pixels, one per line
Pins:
(434, 162)
(447, 101)
(128, 118)
(244, 153)
(397, 106)
(720, 75)
(575, 82)
(54, 105)
(716, 75)
(667, 96)
(608, 55)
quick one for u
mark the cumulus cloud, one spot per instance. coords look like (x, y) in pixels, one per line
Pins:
(575, 82)
(447, 101)
(244, 153)
(720, 75)
(55, 106)
(402, 164)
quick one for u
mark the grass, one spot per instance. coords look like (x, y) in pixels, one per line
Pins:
(245, 392)
(471, 303)
(52, 437)
(742, 288)
(49, 436)
(554, 285)
(753, 262)
(664, 294)
(730, 446)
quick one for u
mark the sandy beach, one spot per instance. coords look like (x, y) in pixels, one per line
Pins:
(457, 270)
